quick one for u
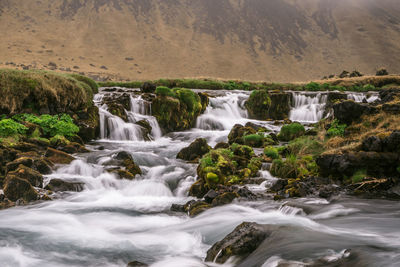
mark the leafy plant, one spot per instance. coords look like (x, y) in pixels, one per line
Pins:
(9, 127)
(336, 129)
(54, 125)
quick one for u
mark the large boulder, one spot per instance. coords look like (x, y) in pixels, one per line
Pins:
(349, 111)
(16, 188)
(263, 105)
(58, 157)
(238, 131)
(89, 124)
(241, 242)
(125, 159)
(195, 150)
(32, 176)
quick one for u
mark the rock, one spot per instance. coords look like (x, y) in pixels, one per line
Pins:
(344, 74)
(255, 126)
(117, 110)
(224, 199)
(382, 72)
(16, 188)
(195, 150)
(241, 242)
(32, 176)
(89, 124)
(11, 166)
(263, 105)
(372, 143)
(204, 101)
(355, 73)
(58, 157)
(42, 165)
(333, 97)
(210, 196)
(146, 129)
(124, 174)
(392, 142)
(221, 145)
(279, 185)
(349, 111)
(137, 264)
(177, 208)
(148, 87)
(58, 185)
(198, 189)
(237, 132)
(125, 159)
(391, 108)
(194, 208)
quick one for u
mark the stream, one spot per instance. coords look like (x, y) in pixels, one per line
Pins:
(113, 221)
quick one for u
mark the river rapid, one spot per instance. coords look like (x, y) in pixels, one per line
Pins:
(113, 221)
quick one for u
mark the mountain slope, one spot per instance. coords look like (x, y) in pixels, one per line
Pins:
(278, 40)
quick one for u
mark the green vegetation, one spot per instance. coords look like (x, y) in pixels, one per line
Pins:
(358, 176)
(165, 91)
(52, 125)
(271, 152)
(305, 145)
(36, 91)
(287, 168)
(291, 131)
(9, 127)
(336, 129)
(253, 140)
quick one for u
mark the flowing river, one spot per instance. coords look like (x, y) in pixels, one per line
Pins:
(112, 221)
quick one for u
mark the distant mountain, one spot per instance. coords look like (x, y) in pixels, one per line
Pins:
(275, 40)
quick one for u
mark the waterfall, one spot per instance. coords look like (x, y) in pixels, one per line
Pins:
(223, 112)
(308, 107)
(114, 128)
(363, 97)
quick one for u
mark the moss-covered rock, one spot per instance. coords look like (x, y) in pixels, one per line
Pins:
(176, 109)
(263, 105)
(238, 132)
(16, 188)
(291, 131)
(195, 150)
(117, 110)
(89, 124)
(58, 185)
(58, 157)
(32, 176)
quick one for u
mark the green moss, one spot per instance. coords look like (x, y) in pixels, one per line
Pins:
(271, 152)
(305, 145)
(358, 176)
(258, 104)
(288, 168)
(291, 131)
(165, 91)
(34, 90)
(253, 140)
(212, 178)
(59, 140)
(9, 127)
(254, 166)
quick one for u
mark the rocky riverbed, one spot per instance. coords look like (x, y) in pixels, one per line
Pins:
(212, 178)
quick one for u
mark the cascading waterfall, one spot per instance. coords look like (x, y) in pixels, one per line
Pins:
(308, 107)
(114, 128)
(223, 112)
(363, 97)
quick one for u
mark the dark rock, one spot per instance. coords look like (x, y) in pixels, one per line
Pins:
(372, 143)
(178, 208)
(197, 207)
(58, 185)
(350, 111)
(279, 185)
(148, 87)
(382, 72)
(195, 150)
(392, 142)
(344, 74)
(204, 101)
(137, 264)
(355, 73)
(224, 199)
(255, 126)
(11, 166)
(146, 129)
(89, 126)
(118, 110)
(125, 159)
(389, 95)
(263, 105)
(209, 197)
(198, 189)
(221, 145)
(244, 192)
(333, 97)
(241, 242)
(391, 108)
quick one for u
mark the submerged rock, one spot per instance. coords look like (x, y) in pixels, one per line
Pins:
(195, 150)
(241, 242)
(58, 185)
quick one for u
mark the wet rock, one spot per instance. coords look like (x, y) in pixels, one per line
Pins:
(16, 188)
(349, 111)
(221, 145)
(57, 156)
(197, 207)
(73, 148)
(146, 129)
(237, 132)
(125, 159)
(224, 199)
(195, 150)
(241, 242)
(11, 166)
(177, 208)
(148, 87)
(279, 185)
(89, 124)
(255, 126)
(117, 110)
(32, 176)
(58, 185)
(210, 196)
(198, 189)
(244, 192)
(263, 105)
(124, 174)
(204, 99)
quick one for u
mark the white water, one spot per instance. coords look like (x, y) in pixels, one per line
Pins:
(308, 107)
(115, 221)
(361, 97)
(114, 128)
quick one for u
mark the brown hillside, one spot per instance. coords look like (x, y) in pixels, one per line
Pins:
(274, 40)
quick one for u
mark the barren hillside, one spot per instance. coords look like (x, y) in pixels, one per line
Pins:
(274, 40)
